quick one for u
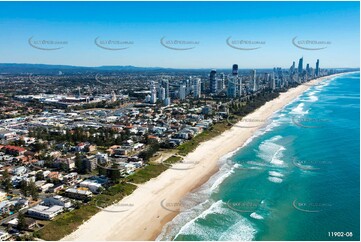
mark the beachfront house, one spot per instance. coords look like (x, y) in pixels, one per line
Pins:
(92, 185)
(44, 212)
(80, 194)
(57, 200)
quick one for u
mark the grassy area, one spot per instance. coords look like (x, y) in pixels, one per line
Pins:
(151, 170)
(113, 194)
(173, 159)
(145, 174)
(162, 154)
(192, 144)
(68, 222)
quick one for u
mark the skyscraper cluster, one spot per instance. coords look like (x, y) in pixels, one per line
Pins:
(234, 85)
(159, 92)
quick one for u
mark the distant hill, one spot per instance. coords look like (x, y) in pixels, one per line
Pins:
(12, 68)
(44, 69)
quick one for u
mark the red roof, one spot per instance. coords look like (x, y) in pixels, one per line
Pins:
(16, 148)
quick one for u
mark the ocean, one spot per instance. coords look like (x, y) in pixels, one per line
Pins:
(298, 178)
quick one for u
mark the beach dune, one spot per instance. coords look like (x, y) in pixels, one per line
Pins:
(142, 215)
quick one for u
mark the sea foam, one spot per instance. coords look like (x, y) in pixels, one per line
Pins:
(256, 216)
(272, 152)
(275, 174)
(275, 179)
(227, 225)
(299, 110)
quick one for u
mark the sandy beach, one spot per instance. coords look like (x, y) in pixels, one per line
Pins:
(142, 215)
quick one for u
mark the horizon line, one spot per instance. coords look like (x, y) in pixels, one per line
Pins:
(175, 68)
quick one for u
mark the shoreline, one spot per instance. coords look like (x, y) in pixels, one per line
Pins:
(156, 202)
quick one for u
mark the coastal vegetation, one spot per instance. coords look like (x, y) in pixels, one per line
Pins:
(242, 108)
(68, 222)
(192, 144)
(145, 174)
(101, 136)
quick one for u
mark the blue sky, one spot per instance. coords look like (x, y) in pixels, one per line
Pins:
(209, 24)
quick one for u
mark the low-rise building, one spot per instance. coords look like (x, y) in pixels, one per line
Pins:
(20, 202)
(19, 171)
(4, 235)
(92, 185)
(56, 188)
(3, 196)
(70, 179)
(46, 187)
(54, 175)
(30, 223)
(13, 150)
(122, 151)
(57, 200)
(7, 135)
(80, 194)
(44, 212)
(5, 207)
(67, 162)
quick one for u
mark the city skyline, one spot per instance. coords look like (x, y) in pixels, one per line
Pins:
(179, 121)
(211, 41)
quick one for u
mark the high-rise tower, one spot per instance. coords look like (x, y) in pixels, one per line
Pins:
(300, 66)
(235, 70)
(213, 82)
(317, 71)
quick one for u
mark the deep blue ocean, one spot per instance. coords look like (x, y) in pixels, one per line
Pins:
(298, 178)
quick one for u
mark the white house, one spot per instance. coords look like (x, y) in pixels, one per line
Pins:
(92, 185)
(44, 212)
(4, 235)
(7, 135)
(57, 200)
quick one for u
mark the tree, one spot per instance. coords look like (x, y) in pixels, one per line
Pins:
(27, 237)
(38, 146)
(77, 204)
(19, 142)
(6, 183)
(24, 188)
(21, 221)
(79, 163)
(33, 190)
(64, 167)
(150, 151)
(39, 176)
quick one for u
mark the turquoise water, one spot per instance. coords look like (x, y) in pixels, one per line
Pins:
(297, 179)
